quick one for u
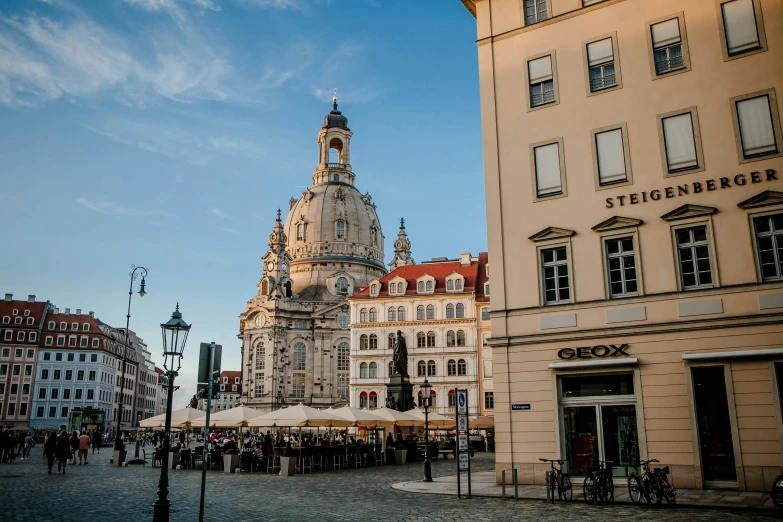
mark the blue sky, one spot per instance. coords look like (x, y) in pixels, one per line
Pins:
(166, 133)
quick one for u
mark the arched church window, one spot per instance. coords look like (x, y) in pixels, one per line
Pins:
(373, 315)
(343, 357)
(430, 312)
(460, 311)
(374, 235)
(449, 311)
(341, 286)
(265, 287)
(300, 232)
(260, 356)
(450, 284)
(339, 230)
(401, 313)
(300, 356)
(288, 291)
(429, 286)
(392, 314)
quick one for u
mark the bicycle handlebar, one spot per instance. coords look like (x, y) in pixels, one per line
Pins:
(551, 460)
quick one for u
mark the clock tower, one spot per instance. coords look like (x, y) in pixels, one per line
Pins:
(275, 281)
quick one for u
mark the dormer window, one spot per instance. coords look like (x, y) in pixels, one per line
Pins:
(420, 286)
(486, 288)
(300, 232)
(63, 326)
(450, 284)
(373, 289)
(341, 286)
(458, 284)
(339, 230)
(429, 286)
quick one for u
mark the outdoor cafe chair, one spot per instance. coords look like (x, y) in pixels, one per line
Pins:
(304, 461)
(157, 456)
(185, 458)
(274, 460)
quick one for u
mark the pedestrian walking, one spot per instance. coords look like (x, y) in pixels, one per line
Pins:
(96, 442)
(20, 443)
(28, 445)
(11, 447)
(74, 441)
(4, 444)
(50, 449)
(84, 447)
(62, 451)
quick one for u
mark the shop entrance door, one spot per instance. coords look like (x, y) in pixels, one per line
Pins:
(712, 414)
(599, 422)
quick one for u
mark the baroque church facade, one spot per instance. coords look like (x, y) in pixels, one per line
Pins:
(295, 330)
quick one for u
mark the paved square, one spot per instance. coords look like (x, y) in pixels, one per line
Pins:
(99, 492)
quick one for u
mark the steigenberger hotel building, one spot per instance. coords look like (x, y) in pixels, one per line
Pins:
(634, 184)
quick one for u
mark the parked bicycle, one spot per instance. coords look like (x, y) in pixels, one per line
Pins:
(652, 486)
(557, 481)
(599, 484)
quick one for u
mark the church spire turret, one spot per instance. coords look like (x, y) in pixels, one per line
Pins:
(276, 281)
(402, 249)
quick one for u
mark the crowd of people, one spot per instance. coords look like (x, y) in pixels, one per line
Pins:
(15, 444)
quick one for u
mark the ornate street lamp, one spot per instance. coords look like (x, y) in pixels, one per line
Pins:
(119, 446)
(175, 334)
(426, 388)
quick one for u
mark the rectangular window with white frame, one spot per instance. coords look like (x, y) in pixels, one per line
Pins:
(741, 28)
(603, 68)
(679, 133)
(554, 273)
(621, 267)
(541, 81)
(668, 45)
(757, 126)
(611, 156)
(769, 244)
(693, 257)
(535, 11)
(547, 160)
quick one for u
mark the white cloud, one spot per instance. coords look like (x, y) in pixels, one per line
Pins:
(297, 5)
(104, 207)
(230, 231)
(217, 212)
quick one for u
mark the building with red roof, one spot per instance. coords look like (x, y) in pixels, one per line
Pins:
(441, 308)
(230, 392)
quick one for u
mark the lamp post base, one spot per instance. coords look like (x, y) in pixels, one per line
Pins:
(427, 469)
(118, 457)
(161, 510)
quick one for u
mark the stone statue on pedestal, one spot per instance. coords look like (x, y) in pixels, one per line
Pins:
(400, 355)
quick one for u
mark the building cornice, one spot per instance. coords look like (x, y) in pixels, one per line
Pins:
(470, 5)
(422, 323)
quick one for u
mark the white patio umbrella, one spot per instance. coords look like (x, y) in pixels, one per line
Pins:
(233, 418)
(362, 418)
(436, 420)
(183, 418)
(398, 418)
(482, 423)
(299, 416)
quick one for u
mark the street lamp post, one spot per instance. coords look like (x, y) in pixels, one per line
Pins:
(119, 447)
(175, 334)
(426, 397)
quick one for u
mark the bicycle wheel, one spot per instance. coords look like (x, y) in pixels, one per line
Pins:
(566, 488)
(588, 489)
(635, 489)
(610, 488)
(599, 489)
(667, 491)
(651, 490)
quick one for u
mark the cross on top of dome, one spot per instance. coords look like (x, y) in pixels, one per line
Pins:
(335, 118)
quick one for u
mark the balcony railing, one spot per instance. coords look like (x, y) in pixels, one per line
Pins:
(602, 82)
(542, 98)
(343, 166)
(664, 66)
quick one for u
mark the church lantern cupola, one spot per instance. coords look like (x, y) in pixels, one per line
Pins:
(334, 143)
(402, 249)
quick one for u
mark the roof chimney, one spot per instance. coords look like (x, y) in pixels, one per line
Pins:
(67, 311)
(465, 259)
(9, 297)
(92, 314)
(30, 298)
(56, 310)
(78, 311)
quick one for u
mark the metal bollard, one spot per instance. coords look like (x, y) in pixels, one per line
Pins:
(503, 483)
(516, 485)
(549, 495)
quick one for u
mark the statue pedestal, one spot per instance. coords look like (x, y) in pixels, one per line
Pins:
(400, 388)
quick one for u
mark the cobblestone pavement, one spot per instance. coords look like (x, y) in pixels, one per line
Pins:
(99, 492)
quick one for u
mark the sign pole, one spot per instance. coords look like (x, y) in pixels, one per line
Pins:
(456, 409)
(467, 435)
(204, 457)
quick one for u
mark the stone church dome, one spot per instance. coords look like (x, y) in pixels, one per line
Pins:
(332, 227)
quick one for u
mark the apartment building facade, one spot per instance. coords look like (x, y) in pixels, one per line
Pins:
(20, 330)
(438, 307)
(634, 186)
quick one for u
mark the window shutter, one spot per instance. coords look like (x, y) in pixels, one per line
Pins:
(611, 156)
(547, 160)
(600, 52)
(755, 121)
(666, 33)
(739, 21)
(540, 69)
(680, 143)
